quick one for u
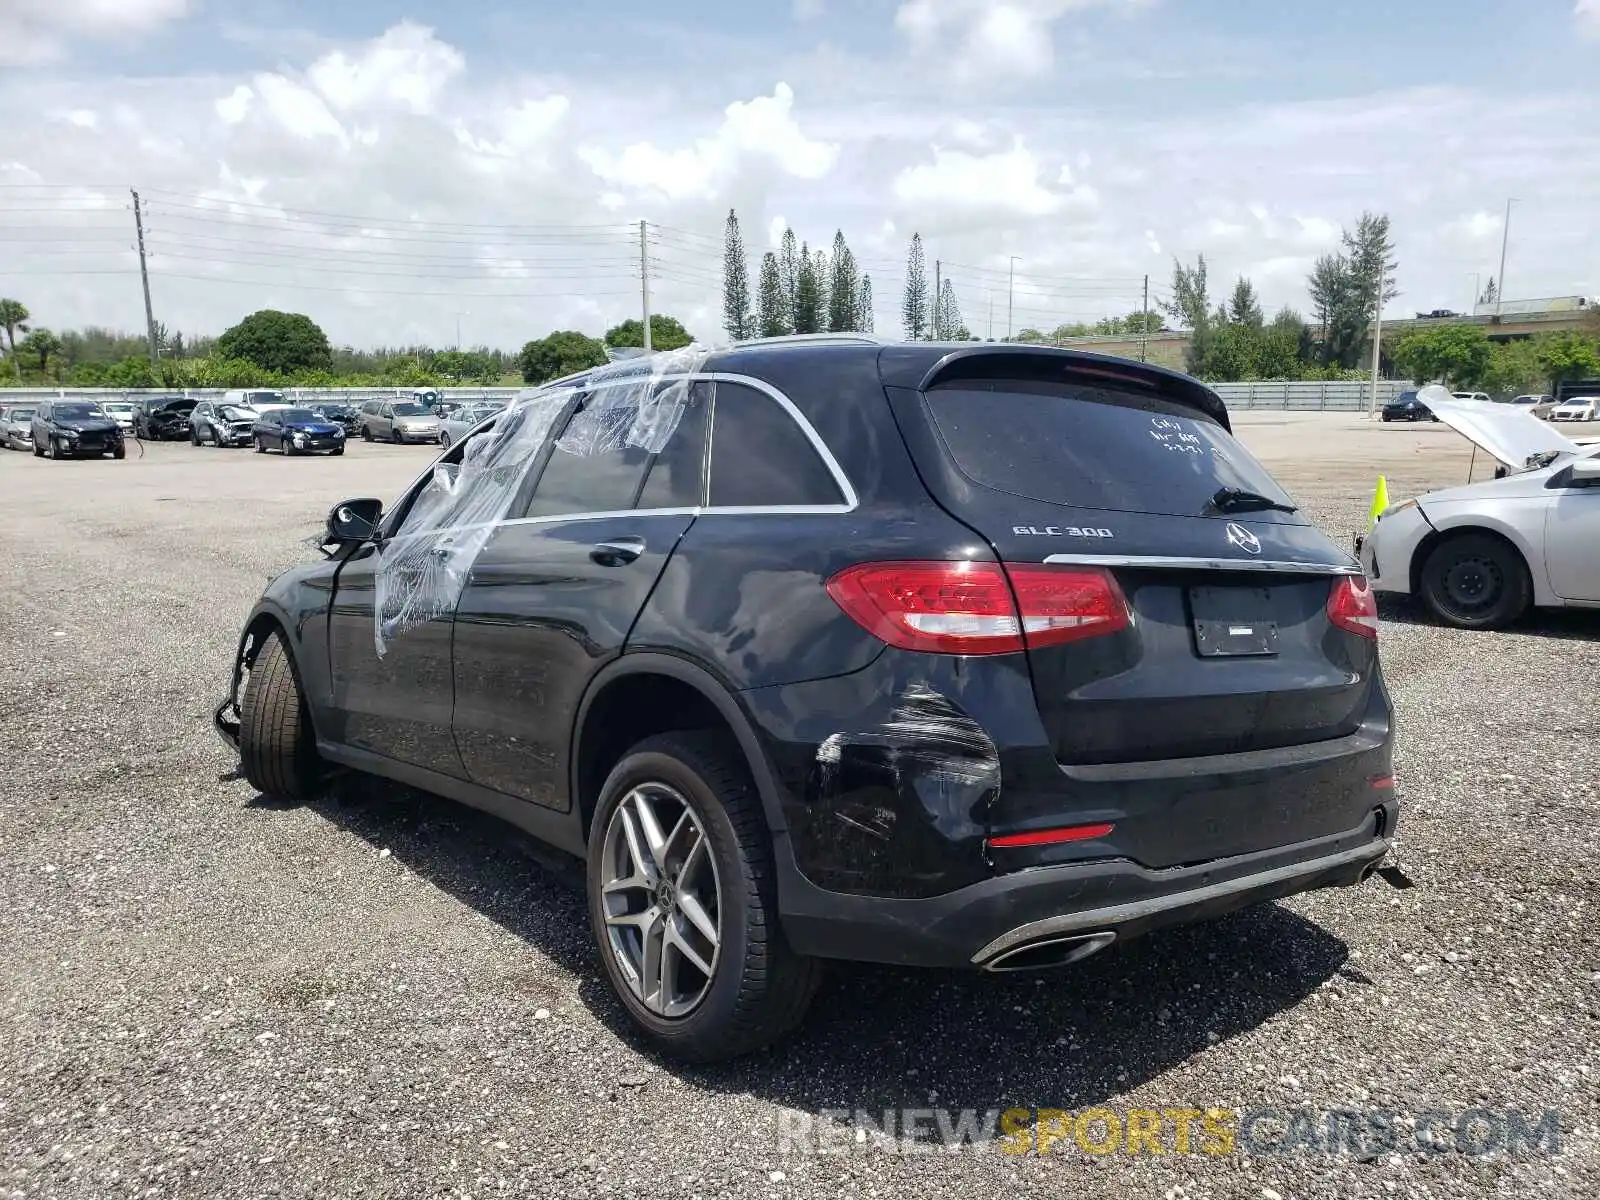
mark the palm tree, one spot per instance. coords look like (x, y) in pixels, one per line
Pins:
(14, 320)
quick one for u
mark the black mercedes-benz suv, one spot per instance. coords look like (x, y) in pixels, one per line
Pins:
(957, 656)
(75, 429)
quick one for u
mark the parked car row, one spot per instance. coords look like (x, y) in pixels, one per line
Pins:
(1409, 406)
(260, 418)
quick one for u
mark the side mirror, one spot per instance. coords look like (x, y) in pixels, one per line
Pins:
(354, 520)
(1586, 472)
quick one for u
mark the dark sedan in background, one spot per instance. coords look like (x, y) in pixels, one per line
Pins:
(75, 429)
(344, 415)
(163, 418)
(1407, 407)
(297, 431)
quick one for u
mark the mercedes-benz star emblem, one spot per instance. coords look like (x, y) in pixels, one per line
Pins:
(1241, 537)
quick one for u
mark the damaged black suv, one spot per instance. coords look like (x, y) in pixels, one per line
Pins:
(955, 656)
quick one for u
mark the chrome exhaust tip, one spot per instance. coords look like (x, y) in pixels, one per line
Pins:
(1050, 952)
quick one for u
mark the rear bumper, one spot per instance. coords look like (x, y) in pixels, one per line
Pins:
(977, 925)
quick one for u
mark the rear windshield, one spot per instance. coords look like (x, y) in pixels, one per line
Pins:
(1094, 447)
(298, 414)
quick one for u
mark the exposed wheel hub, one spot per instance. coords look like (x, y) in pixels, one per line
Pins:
(1473, 582)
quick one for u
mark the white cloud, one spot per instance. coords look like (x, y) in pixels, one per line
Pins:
(809, 10)
(1477, 226)
(39, 31)
(761, 128)
(1011, 37)
(235, 106)
(405, 68)
(776, 228)
(1587, 14)
(1007, 182)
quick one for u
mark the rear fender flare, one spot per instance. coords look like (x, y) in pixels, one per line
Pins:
(708, 685)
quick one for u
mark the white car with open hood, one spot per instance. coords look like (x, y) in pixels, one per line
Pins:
(1479, 556)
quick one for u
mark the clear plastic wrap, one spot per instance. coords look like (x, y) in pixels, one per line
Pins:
(423, 568)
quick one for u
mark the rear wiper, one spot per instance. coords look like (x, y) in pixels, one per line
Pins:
(1229, 499)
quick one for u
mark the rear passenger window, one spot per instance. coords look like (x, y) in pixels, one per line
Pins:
(677, 474)
(598, 473)
(759, 456)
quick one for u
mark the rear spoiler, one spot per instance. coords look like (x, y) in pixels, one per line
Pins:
(908, 365)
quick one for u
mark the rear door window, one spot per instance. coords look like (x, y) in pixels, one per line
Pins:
(600, 476)
(760, 458)
(1089, 446)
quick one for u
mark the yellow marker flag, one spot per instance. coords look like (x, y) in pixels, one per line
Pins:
(1380, 501)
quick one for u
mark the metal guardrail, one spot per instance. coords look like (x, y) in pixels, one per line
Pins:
(1310, 396)
(11, 395)
(1342, 396)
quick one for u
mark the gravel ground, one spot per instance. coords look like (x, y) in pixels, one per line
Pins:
(380, 994)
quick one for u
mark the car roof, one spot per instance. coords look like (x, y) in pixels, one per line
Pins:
(911, 364)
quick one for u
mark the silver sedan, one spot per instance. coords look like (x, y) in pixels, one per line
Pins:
(1480, 556)
(16, 429)
(463, 419)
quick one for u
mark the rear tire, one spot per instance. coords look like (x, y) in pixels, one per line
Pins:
(1476, 581)
(261, 445)
(277, 748)
(759, 988)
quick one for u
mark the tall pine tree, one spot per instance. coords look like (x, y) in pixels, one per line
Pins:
(808, 311)
(843, 302)
(914, 305)
(823, 270)
(789, 275)
(948, 316)
(735, 282)
(772, 310)
(864, 305)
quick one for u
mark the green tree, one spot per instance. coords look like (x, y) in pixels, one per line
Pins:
(14, 320)
(864, 320)
(38, 347)
(1344, 289)
(461, 366)
(1030, 335)
(735, 282)
(771, 310)
(666, 333)
(1243, 306)
(809, 314)
(948, 325)
(789, 275)
(277, 341)
(134, 371)
(1567, 355)
(561, 353)
(914, 305)
(1190, 306)
(1491, 292)
(1514, 368)
(844, 301)
(1458, 355)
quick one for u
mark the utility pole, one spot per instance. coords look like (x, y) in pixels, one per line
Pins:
(1144, 325)
(1011, 279)
(459, 315)
(644, 281)
(1505, 238)
(1477, 292)
(144, 276)
(1377, 336)
(991, 314)
(938, 332)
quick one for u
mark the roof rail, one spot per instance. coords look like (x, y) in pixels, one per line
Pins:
(818, 339)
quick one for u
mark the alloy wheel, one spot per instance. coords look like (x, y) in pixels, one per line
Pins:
(662, 900)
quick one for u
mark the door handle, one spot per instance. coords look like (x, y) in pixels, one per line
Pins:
(617, 553)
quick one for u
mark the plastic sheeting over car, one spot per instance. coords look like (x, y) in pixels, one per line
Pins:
(423, 568)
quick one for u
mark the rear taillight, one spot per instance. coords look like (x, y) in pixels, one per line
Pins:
(972, 607)
(1352, 606)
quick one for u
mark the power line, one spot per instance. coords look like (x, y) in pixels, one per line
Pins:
(296, 285)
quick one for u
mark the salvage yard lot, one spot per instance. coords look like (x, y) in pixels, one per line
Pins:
(382, 995)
